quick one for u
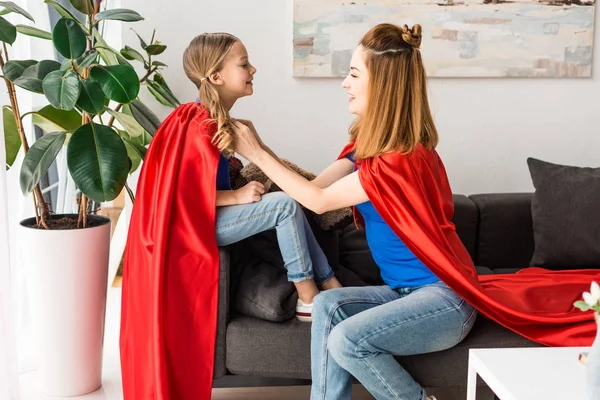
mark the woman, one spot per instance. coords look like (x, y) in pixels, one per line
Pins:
(393, 176)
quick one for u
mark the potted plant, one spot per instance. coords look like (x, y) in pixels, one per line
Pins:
(94, 111)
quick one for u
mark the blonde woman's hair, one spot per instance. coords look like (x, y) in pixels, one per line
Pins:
(397, 116)
(205, 55)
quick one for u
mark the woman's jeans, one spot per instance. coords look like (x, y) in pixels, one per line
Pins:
(358, 330)
(303, 257)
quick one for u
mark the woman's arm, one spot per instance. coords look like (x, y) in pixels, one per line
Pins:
(346, 192)
(334, 173)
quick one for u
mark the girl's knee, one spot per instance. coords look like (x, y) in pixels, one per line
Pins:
(289, 207)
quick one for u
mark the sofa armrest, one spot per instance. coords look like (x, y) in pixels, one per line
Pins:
(465, 220)
(223, 313)
(505, 230)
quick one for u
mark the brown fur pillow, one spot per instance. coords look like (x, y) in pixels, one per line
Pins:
(240, 175)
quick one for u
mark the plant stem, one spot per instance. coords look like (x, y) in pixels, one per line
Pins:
(38, 198)
(85, 118)
(112, 117)
(150, 71)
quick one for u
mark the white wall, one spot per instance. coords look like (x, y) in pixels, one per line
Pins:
(488, 127)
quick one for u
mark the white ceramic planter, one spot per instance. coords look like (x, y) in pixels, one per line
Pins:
(66, 273)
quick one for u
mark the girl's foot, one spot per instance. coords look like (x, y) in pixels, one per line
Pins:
(304, 311)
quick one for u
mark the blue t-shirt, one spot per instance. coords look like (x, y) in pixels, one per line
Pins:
(399, 266)
(223, 182)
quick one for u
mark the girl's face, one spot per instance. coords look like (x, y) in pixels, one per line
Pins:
(234, 81)
(357, 83)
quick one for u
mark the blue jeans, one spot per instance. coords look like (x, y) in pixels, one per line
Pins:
(303, 257)
(358, 330)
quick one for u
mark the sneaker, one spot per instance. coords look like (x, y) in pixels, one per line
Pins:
(304, 311)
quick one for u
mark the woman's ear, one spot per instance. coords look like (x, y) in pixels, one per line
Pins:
(216, 79)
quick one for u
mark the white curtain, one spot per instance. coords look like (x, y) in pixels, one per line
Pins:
(9, 383)
(16, 349)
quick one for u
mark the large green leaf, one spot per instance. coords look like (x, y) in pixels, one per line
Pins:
(144, 116)
(91, 97)
(63, 12)
(34, 75)
(135, 152)
(61, 89)
(8, 32)
(119, 82)
(120, 59)
(39, 158)
(69, 39)
(83, 6)
(50, 119)
(107, 56)
(127, 122)
(132, 54)
(143, 140)
(9, 5)
(162, 94)
(33, 31)
(142, 42)
(98, 162)
(155, 49)
(12, 140)
(87, 59)
(15, 68)
(119, 14)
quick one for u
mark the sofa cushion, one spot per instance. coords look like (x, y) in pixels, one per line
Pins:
(505, 230)
(260, 287)
(565, 215)
(262, 348)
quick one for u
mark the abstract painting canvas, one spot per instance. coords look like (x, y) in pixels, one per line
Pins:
(461, 38)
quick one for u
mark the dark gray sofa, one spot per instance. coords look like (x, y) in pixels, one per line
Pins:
(497, 231)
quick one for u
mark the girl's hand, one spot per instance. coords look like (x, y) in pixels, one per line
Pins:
(246, 143)
(250, 193)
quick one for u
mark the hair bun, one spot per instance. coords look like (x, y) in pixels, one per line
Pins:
(412, 36)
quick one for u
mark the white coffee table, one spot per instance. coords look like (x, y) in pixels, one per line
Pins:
(528, 373)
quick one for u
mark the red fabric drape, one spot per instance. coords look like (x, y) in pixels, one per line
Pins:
(171, 265)
(413, 196)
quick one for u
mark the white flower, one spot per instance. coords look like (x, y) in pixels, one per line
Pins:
(593, 297)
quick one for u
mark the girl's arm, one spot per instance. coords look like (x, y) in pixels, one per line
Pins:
(249, 193)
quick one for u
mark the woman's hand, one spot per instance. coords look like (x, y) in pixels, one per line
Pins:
(246, 143)
(250, 125)
(250, 193)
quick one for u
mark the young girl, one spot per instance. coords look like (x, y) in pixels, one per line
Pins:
(218, 64)
(184, 209)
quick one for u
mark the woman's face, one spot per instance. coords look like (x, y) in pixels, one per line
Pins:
(357, 83)
(237, 74)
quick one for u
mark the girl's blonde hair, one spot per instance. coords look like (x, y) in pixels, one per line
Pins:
(205, 55)
(397, 116)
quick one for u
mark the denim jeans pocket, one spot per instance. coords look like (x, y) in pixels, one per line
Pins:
(469, 322)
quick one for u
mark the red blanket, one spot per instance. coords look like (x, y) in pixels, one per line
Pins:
(413, 196)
